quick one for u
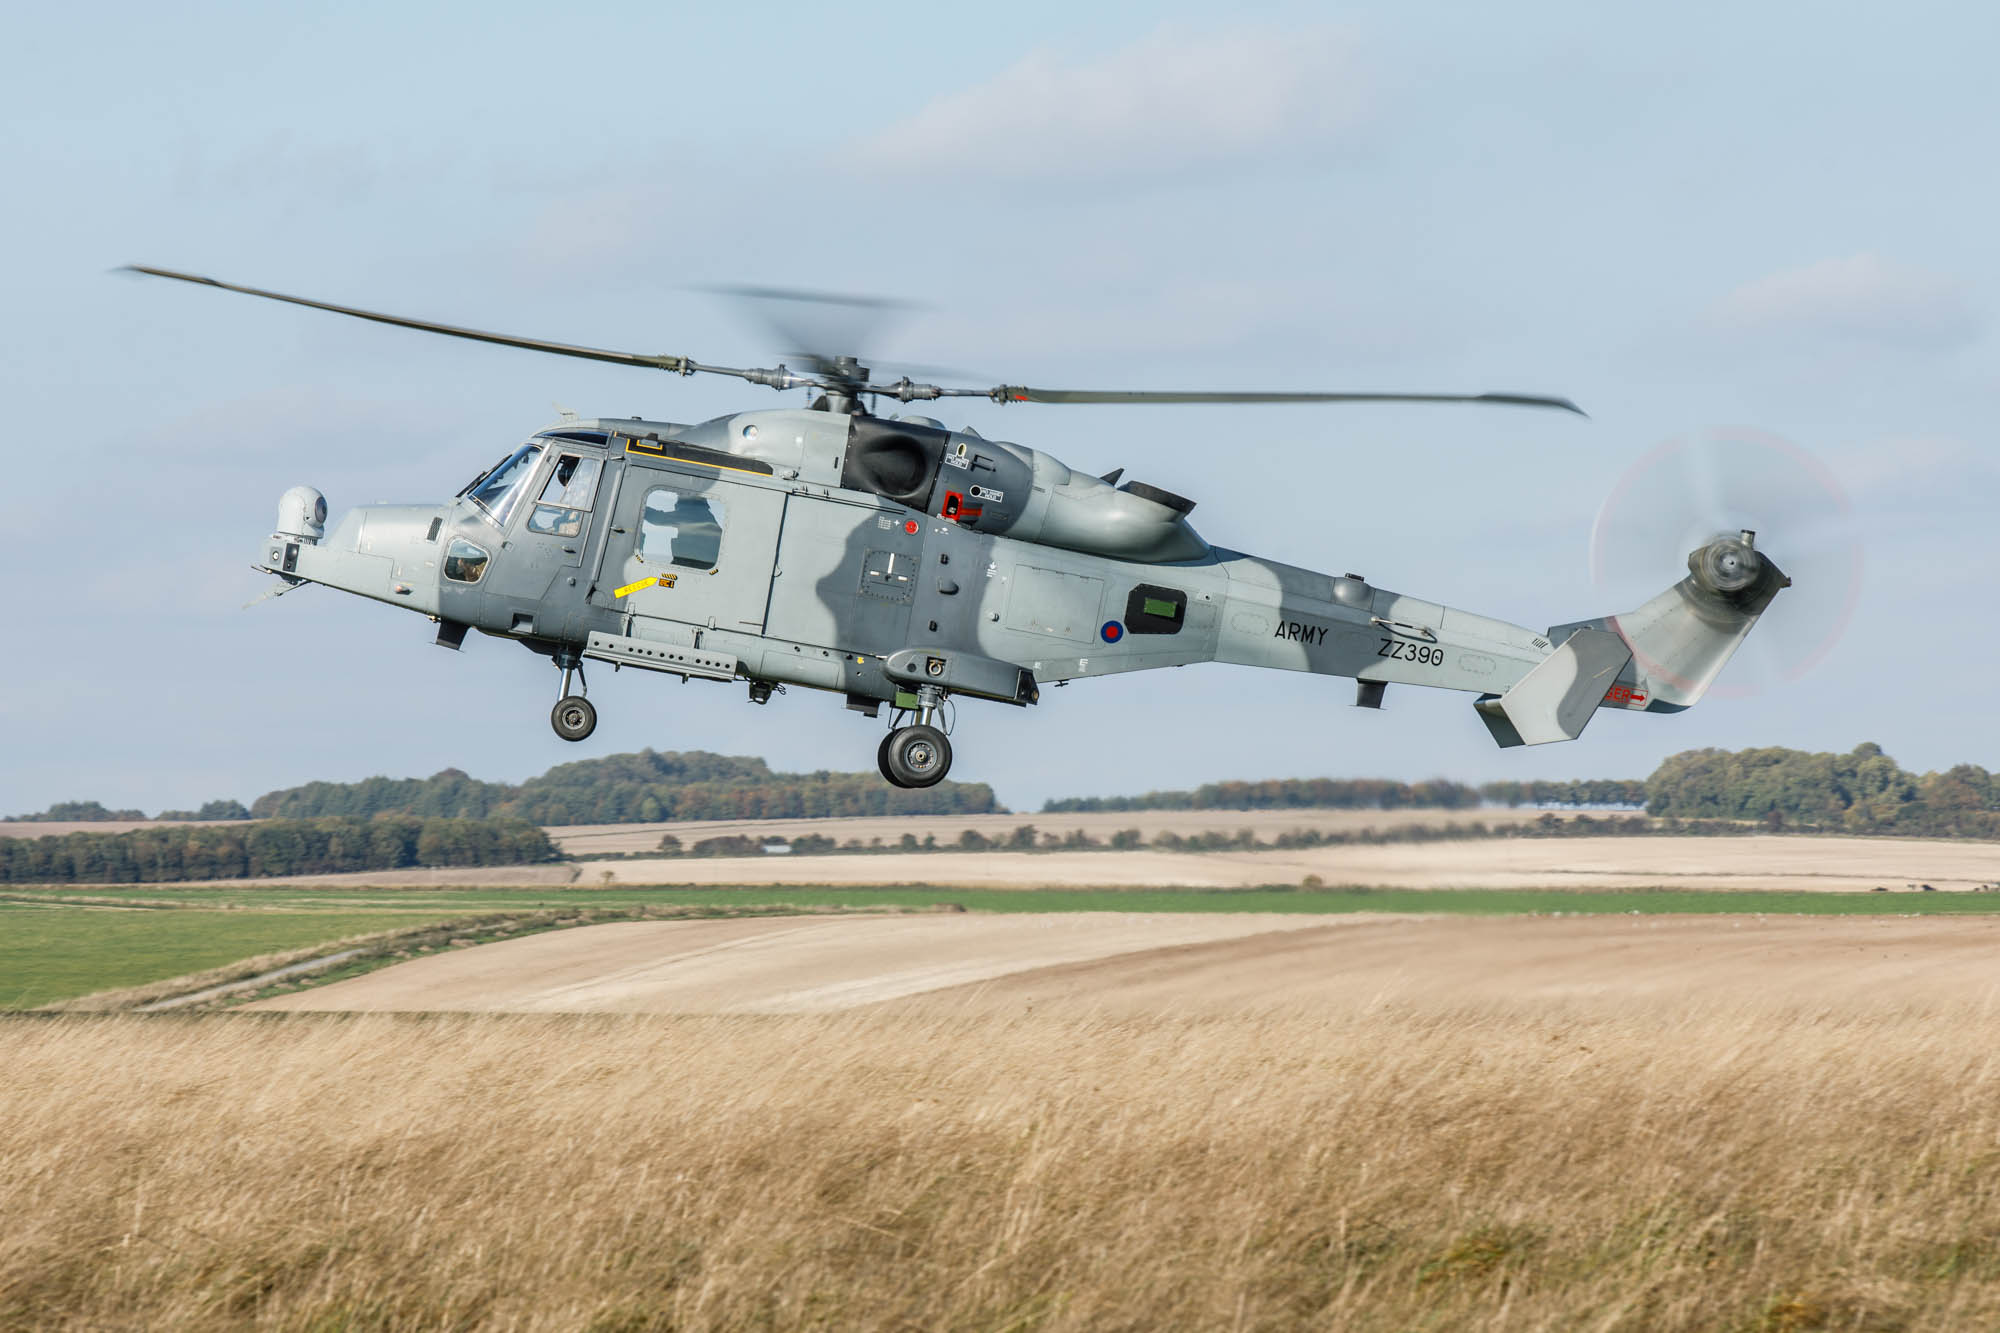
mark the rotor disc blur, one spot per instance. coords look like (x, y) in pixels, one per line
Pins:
(1720, 482)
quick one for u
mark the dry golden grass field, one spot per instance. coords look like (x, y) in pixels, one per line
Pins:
(1525, 1165)
(1064, 1120)
(1611, 1123)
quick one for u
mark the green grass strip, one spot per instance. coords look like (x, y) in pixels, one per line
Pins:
(51, 954)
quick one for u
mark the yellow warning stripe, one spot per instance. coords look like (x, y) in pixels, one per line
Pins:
(646, 449)
(664, 580)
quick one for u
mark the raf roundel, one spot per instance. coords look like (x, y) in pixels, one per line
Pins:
(1112, 631)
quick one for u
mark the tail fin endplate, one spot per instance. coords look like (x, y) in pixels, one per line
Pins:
(1659, 658)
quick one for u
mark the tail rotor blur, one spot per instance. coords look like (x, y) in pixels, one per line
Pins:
(1686, 493)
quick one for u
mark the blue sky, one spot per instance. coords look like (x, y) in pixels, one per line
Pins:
(1721, 224)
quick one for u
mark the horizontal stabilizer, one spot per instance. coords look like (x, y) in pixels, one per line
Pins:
(1554, 701)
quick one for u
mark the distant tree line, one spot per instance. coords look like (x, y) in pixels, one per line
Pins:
(271, 847)
(1864, 791)
(1022, 839)
(1625, 793)
(638, 788)
(213, 810)
(76, 812)
(1287, 794)
(451, 794)
(1026, 838)
(93, 812)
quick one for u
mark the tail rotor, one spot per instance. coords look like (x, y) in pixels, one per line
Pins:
(1723, 494)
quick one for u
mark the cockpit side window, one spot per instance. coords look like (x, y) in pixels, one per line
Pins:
(566, 497)
(464, 562)
(677, 528)
(500, 490)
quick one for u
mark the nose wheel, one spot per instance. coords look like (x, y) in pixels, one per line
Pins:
(573, 717)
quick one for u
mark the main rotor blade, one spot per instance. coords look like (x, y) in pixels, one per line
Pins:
(679, 365)
(817, 327)
(835, 376)
(802, 296)
(1015, 393)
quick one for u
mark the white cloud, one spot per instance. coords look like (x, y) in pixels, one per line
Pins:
(1863, 297)
(1177, 97)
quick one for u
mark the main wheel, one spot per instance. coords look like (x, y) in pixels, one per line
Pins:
(882, 761)
(916, 757)
(573, 718)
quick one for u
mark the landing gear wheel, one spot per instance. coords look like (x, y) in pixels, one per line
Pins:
(573, 718)
(882, 761)
(916, 756)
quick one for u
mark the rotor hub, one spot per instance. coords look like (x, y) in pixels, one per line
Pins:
(1727, 564)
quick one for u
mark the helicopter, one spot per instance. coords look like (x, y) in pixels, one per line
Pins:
(892, 560)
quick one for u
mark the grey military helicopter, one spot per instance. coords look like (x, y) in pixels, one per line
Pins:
(895, 561)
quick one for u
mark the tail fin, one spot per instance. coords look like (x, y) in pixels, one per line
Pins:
(1660, 658)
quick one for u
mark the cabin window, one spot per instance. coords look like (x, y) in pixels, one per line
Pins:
(500, 490)
(1154, 610)
(566, 497)
(679, 528)
(464, 562)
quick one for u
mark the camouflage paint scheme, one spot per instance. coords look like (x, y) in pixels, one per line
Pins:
(879, 557)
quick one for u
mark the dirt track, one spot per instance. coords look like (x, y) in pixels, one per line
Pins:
(1192, 963)
(765, 965)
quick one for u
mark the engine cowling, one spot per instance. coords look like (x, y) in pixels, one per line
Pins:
(1011, 490)
(986, 485)
(1083, 513)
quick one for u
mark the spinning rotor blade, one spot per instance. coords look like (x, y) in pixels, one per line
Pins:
(826, 330)
(803, 297)
(1014, 393)
(680, 365)
(843, 373)
(1690, 490)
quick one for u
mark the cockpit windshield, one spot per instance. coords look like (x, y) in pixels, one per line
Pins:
(498, 490)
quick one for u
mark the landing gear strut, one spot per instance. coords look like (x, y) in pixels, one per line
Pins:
(573, 717)
(917, 755)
